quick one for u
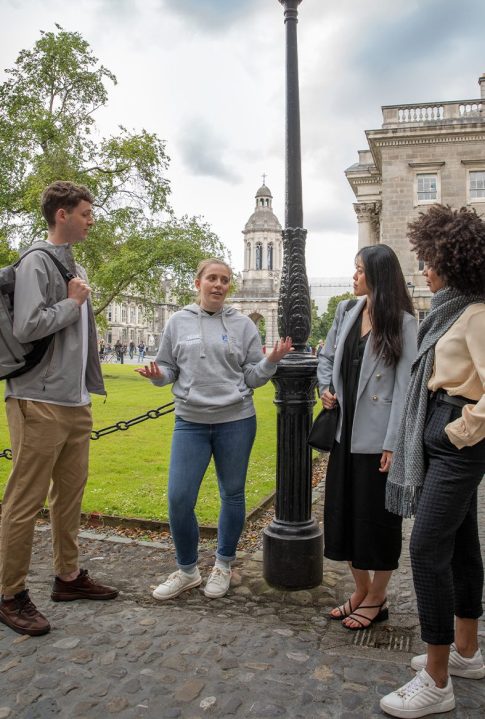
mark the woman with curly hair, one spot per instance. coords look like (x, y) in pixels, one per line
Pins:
(367, 359)
(440, 460)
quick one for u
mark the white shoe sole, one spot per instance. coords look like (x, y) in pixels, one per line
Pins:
(213, 595)
(164, 597)
(472, 673)
(218, 594)
(445, 706)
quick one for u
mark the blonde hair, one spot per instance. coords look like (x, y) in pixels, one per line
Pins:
(204, 264)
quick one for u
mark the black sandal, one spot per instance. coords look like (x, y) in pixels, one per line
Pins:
(342, 614)
(381, 616)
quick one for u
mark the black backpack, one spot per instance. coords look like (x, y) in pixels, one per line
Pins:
(16, 357)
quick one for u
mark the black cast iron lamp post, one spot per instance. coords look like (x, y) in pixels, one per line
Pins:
(292, 543)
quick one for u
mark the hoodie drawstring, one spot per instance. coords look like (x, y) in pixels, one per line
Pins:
(202, 346)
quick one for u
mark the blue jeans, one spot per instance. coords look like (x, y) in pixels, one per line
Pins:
(193, 445)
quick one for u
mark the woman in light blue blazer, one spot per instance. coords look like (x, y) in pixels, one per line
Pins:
(365, 368)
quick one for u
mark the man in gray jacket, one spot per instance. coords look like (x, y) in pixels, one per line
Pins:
(49, 414)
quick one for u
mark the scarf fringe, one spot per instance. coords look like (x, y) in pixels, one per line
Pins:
(402, 500)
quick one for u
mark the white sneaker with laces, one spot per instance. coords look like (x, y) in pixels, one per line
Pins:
(218, 583)
(467, 667)
(176, 583)
(418, 698)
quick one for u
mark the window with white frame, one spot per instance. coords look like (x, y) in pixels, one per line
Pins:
(427, 187)
(476, 184)
(421, 315)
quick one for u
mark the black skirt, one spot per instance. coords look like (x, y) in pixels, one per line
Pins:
(357, 526)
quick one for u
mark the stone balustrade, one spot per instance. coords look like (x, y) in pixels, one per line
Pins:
(423, 113)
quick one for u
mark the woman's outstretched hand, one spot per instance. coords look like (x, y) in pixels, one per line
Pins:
(150, 372)
(280, 349)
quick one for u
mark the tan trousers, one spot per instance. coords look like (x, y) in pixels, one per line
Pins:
(49, 442)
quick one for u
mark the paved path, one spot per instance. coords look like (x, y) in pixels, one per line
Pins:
(255, 653)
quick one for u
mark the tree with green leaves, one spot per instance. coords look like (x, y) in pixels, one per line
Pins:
(48, 133)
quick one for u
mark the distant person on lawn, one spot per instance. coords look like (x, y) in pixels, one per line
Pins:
(49, 414)
(213, 356)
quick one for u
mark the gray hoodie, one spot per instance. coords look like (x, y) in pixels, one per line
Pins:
(214, 362)
(42, 308)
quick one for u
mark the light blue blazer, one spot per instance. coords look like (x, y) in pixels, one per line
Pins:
(382, 388)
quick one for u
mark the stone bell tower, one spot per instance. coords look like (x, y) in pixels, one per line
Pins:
(258, 287)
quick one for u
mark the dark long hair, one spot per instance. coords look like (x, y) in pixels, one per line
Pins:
(388, 299)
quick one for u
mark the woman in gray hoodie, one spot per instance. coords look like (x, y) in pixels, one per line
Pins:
(212, 356)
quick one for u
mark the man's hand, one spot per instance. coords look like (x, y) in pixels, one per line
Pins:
(280, 349)
(151, 372)
(78, 290)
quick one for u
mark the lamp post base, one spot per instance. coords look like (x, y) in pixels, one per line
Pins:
(293, 554)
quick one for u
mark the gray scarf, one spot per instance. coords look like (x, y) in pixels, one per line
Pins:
(406, 476)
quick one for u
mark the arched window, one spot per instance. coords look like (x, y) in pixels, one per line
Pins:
(270, 256)
(248, 255)
(259, 256)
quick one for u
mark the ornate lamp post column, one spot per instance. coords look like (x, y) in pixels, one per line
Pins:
(292, 543)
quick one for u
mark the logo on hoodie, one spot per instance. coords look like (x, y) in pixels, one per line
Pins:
(190, 339)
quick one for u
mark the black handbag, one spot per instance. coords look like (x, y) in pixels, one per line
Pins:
(324, 429)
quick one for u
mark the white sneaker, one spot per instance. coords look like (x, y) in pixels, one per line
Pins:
(218, 583)
(418, 698)
(468, 667)
(176, 583)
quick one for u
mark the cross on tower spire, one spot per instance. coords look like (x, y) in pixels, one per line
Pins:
(264, 178)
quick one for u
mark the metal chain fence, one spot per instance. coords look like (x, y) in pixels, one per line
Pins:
(120, 426)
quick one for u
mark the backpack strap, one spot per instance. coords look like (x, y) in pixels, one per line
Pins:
(62, 269)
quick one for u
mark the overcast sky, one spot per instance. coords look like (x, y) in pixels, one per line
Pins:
(208, 77)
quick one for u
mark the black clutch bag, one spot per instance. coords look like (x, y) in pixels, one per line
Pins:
(324, 428)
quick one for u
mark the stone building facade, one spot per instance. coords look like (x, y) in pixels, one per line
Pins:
(258, 285)
(129, 321)
(423, 153)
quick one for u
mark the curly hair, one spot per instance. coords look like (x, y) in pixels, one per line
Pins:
(452, 242)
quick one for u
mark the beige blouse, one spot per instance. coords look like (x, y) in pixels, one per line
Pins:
(459, 369)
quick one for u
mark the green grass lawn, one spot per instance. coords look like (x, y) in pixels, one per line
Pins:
(129, 470)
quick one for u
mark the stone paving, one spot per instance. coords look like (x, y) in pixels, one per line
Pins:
(255, 653)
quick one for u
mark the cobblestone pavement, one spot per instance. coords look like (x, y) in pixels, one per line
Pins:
(256, 653)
